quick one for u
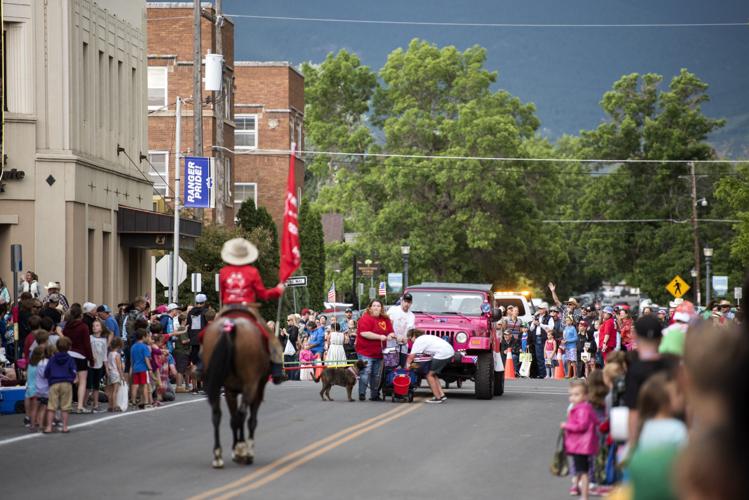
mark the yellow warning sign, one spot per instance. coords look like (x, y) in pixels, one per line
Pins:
(677, 287)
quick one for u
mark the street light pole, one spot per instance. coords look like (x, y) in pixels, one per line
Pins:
(405, 251)
(175, 258)
(695, 230)
(708, 257)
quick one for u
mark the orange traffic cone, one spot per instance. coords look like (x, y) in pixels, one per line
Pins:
(509, 366)
(559, 370)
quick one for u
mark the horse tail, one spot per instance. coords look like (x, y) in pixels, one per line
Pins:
(221, 363)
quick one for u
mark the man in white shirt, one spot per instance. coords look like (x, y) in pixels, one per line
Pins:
(441, 352)
(403, 321)
(541, 325)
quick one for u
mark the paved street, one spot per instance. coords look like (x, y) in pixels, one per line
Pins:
(305, 449)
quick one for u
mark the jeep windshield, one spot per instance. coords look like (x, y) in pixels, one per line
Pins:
(447, 302)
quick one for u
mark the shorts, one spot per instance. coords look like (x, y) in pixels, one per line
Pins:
(437, 365)
(81, 365)
(140, 378)
(581, 462)
(60, 397)
(181, 361)
(195, 354)
(93, 380)
(114, 378)
(43, 400)
(30, 390)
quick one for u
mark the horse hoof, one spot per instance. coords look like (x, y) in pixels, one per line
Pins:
(217, 463)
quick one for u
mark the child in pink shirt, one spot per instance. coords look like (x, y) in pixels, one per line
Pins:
(580, 438)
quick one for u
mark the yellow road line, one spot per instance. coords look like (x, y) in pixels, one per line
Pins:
(291, 456)
(306, 458)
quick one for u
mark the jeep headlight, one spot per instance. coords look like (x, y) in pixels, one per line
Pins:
(461, 338)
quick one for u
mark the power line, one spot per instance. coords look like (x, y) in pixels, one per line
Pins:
(489, 25)
(120, 149)
(286, 152)
(624, 221)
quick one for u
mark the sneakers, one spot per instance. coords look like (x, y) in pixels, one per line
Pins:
(443, 398)
(436, 400)
(362, 397)
(574, 491)
(27, 422)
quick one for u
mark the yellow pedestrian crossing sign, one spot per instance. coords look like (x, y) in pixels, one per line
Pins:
(677, 287)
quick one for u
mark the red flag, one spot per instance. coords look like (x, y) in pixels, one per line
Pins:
(291, 256)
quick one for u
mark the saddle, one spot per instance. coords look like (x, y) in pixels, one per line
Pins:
(249, 312)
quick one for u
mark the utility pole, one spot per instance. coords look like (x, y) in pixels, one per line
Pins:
(695, 232)
(197, 94)
(175, 257)
(218, 106)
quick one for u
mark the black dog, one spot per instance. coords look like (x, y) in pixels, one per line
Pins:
(345, 377)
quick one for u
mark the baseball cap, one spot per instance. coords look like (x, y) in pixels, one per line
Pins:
(305, 311)
(172, 307)
(89, 307)
(662, 311)
(608, 309)
(161, 309)
(554, 309)
(407, 297)
(103, 309)
(349, 310)
(649, 328)
(200, 298)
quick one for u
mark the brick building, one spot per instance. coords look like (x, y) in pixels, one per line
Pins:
(265, 111)
(170, 74)
(269, 115)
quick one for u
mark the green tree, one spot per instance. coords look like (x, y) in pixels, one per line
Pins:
(313, 254)
(645, 123)
(465, 220)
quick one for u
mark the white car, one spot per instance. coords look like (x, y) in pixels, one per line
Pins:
(522, 300)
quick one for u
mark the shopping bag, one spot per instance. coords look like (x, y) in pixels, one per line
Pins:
(122, 397)
(526, 356)
(559, 466)
(525, 369)
(289, 349)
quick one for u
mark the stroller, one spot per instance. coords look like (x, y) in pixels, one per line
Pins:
(400, 385)
(396, 382)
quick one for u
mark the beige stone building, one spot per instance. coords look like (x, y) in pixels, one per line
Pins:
(76, 110)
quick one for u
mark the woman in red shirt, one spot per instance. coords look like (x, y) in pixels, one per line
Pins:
(624, 322)
(373, 330)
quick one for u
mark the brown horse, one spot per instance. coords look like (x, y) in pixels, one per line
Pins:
(235, 357)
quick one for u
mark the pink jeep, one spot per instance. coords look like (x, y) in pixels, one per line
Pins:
(461, 314)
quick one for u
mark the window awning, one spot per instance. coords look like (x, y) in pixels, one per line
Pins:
(138, 228)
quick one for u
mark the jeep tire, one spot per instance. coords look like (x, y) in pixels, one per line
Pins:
(499, 383)
(484, 375)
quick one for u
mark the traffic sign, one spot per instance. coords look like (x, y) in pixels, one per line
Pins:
(677, 287)
(720, 285)
(163, 273)
(295, 281)
(395, 281)
(196, 282)
(737, 292)
(368, 270)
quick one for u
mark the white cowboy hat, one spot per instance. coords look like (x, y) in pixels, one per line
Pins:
(239, 252)
(52, 284)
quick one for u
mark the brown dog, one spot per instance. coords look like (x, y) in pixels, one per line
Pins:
(345, 377)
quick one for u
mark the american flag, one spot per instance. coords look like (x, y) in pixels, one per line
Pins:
(383, 291)
(331, 293)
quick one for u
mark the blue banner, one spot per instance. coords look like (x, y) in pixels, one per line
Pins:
(198, 182)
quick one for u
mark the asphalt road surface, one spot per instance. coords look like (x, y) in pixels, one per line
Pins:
(305, 449)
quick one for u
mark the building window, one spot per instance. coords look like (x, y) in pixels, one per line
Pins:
(244, 191)
(245, 132)
(158, 171)
(157, 90)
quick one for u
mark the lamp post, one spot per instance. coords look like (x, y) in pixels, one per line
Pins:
(405, 251)
(708, 252)
(695, 290)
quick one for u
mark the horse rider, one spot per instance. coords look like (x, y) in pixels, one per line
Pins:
(240, 284)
